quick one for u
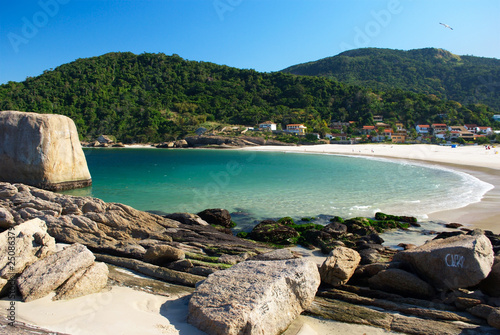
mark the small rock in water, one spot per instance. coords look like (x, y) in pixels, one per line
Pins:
(453, 225)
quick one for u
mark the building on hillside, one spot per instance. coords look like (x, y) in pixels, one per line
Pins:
(454, 134)
(484, 130)
(496, 117)
(439, 127)
(367, 130)
(441, 135)
(423, 128)
(467, 135)
(380, 137)
(471, 127)
(297, 129)
(378, 118)
(456, 128)
(382, 125)
(268, 125)
(398, 138)
(400, 127)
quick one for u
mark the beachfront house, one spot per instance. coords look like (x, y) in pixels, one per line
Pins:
(423, 129)
(339, 125)
(471, 127)
(441, 135)
(484, 130)
(268, 125)
(367, 130)
(297, 129)
(337, 137)
(398, 138)
(439, 128)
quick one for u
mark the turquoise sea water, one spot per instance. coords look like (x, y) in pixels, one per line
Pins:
(271, 185)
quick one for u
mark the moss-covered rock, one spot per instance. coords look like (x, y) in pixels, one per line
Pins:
(383, 217)
(286, 221)
(273, 232)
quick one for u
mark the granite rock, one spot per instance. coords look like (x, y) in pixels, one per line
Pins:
(85, 281)
(42, 150)
(163, 253)
(401, 282)
(339, 266)
(27, 242)
(45, 275)
(254, 297)
(450, 263)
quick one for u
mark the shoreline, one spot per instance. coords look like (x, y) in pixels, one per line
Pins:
(473, 160)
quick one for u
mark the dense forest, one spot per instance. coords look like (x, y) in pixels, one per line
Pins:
(466, 79)
(155, 97)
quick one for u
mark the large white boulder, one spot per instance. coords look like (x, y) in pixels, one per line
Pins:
(254, 297)
(454, 262)
(41, 150)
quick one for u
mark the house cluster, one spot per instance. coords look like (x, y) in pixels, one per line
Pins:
(395, 133)
(468, 132)
(297, 129)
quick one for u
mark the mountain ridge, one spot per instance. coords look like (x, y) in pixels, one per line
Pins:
(466, 79)
(155, 97)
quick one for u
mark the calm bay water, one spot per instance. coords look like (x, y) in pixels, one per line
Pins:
(271, 185)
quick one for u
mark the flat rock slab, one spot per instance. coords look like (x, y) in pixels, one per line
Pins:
(254, 297)
(45, 275)
(85, 281)
(450, 263)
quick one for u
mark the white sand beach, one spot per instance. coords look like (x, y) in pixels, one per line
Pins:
(475, 160)
(476, 156)
(126, 311)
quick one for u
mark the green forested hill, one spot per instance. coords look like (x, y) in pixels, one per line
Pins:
(466, 79)
(154, 97)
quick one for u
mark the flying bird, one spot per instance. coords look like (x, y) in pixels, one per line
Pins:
(447, 26)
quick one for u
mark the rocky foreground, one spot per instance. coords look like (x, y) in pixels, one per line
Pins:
(450, 285)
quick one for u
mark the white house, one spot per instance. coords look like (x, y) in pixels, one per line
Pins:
(423, 128)
(484, 130)
(268, 125)
(496, 117)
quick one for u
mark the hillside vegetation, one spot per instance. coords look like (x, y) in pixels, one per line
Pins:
(466, 79)
(154, 97)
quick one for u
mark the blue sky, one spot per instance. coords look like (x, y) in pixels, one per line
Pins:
(265, 35)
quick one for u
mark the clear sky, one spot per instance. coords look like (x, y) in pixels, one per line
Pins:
(265, 35)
